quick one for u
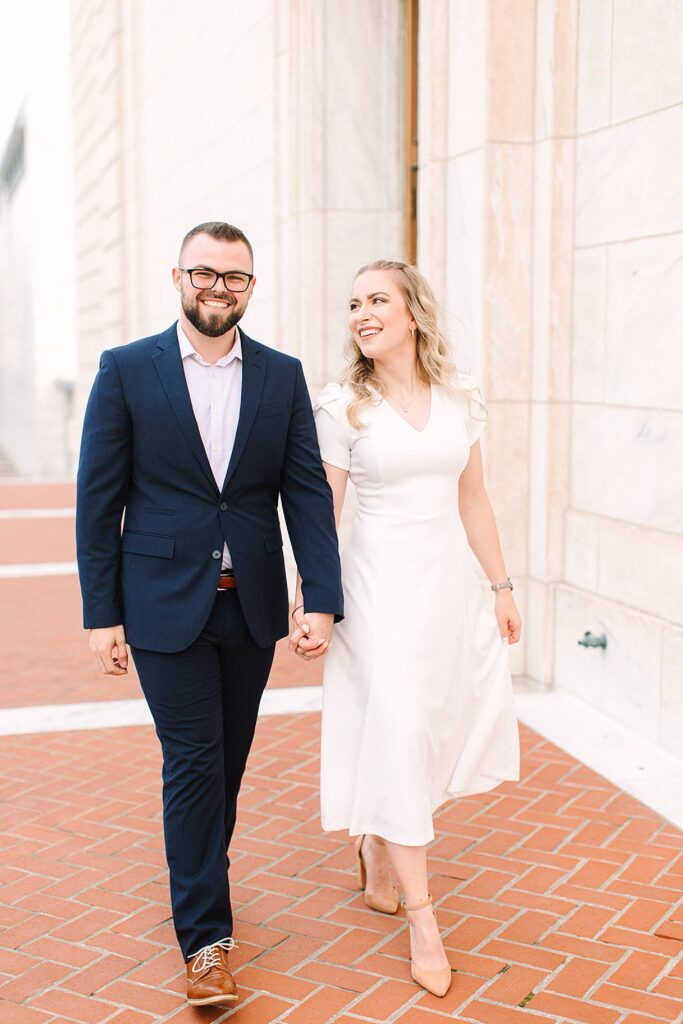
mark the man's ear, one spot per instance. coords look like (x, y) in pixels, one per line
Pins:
(176, 277)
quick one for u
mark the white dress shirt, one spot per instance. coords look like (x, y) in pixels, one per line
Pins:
(216, 395)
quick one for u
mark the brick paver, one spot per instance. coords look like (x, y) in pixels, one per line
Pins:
(559, 897)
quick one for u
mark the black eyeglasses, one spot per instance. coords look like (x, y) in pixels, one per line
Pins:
(233, 280)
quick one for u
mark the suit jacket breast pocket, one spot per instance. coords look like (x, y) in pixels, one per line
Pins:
(273, 409)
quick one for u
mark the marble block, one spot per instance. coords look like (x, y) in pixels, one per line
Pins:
(628, 179)
(363, 147)
(542, 269)
(672, 690)
(594, 65)
(548, 487)
(538, 631)
(647, 46)
(464, 243)
(588, 343)
(644, 340)
(642, 568)
(506, 441)
(508, 198)
(553, 227)
(623, 465)
(511, 71)
(565, 66)
(581, 551)
(467, 82)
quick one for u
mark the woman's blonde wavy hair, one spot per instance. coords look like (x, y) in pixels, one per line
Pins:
(434, 362)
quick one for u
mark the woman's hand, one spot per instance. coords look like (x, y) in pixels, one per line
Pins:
(509, 619)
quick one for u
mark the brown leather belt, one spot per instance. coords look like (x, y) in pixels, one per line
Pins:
(227, 581)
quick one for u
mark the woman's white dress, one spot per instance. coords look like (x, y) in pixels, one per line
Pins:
(417, 694)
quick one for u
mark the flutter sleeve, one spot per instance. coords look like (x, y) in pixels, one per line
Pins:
(476, 411)
(332, 425)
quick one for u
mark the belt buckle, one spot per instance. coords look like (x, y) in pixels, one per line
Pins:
(226, 580)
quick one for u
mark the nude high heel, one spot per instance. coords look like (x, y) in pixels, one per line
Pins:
(436, 982)
(386, 903)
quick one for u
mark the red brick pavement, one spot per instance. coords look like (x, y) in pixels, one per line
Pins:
(20, 494)
(559, 897)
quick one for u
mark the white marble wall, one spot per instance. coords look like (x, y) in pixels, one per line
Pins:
(624, 538)
(551, 216)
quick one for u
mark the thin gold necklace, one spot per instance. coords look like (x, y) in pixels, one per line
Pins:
(406, 407)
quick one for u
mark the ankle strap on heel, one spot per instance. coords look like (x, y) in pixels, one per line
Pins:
(419, 906)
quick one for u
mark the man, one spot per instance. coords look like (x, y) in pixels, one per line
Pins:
(194, 433)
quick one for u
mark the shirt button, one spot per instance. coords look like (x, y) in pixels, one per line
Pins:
(216, 554)
(223, 506)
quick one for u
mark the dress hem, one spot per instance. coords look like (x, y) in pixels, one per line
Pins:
(402, 841)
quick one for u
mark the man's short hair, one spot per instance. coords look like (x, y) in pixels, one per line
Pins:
(220, 230)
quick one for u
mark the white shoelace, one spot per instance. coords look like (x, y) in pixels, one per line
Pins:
(208, 956)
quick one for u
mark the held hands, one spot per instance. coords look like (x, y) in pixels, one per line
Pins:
(109, 648)
(509, 620)
(310, 637)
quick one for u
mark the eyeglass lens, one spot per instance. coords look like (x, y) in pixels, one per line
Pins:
(233, 280)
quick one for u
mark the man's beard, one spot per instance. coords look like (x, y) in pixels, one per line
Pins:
(215, 324)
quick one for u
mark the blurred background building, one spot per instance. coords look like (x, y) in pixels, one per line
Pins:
(526, 152)
(37, 336)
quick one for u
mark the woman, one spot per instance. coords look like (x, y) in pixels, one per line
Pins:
(417, 705)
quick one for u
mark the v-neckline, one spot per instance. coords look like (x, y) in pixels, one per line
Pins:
(409, 425)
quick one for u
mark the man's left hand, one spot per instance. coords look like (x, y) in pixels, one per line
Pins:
(312, 633)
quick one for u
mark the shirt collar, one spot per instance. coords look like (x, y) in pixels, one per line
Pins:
(188, 351)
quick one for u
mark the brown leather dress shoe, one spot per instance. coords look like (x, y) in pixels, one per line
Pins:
(208, 976)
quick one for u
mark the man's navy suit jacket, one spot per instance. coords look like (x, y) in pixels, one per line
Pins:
(142, 454)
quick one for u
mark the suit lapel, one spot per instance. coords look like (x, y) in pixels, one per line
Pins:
(253, 378)
(169, 366)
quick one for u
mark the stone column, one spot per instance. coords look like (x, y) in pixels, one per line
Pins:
(551, 334)
(339, 151)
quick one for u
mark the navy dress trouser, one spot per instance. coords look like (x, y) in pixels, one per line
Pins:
(204, 701)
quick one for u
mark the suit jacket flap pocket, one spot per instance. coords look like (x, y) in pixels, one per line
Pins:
(147, 544)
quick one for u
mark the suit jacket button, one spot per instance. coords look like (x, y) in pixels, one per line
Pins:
(216, 554)
(223, 506)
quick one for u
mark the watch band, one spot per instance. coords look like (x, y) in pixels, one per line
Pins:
(502, 586)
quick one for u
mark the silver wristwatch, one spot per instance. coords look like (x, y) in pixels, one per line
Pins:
(502, 586)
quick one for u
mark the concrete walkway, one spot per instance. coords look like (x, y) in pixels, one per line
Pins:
(560, 897)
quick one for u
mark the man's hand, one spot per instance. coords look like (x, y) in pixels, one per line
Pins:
(311, 635)
(109, 647)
